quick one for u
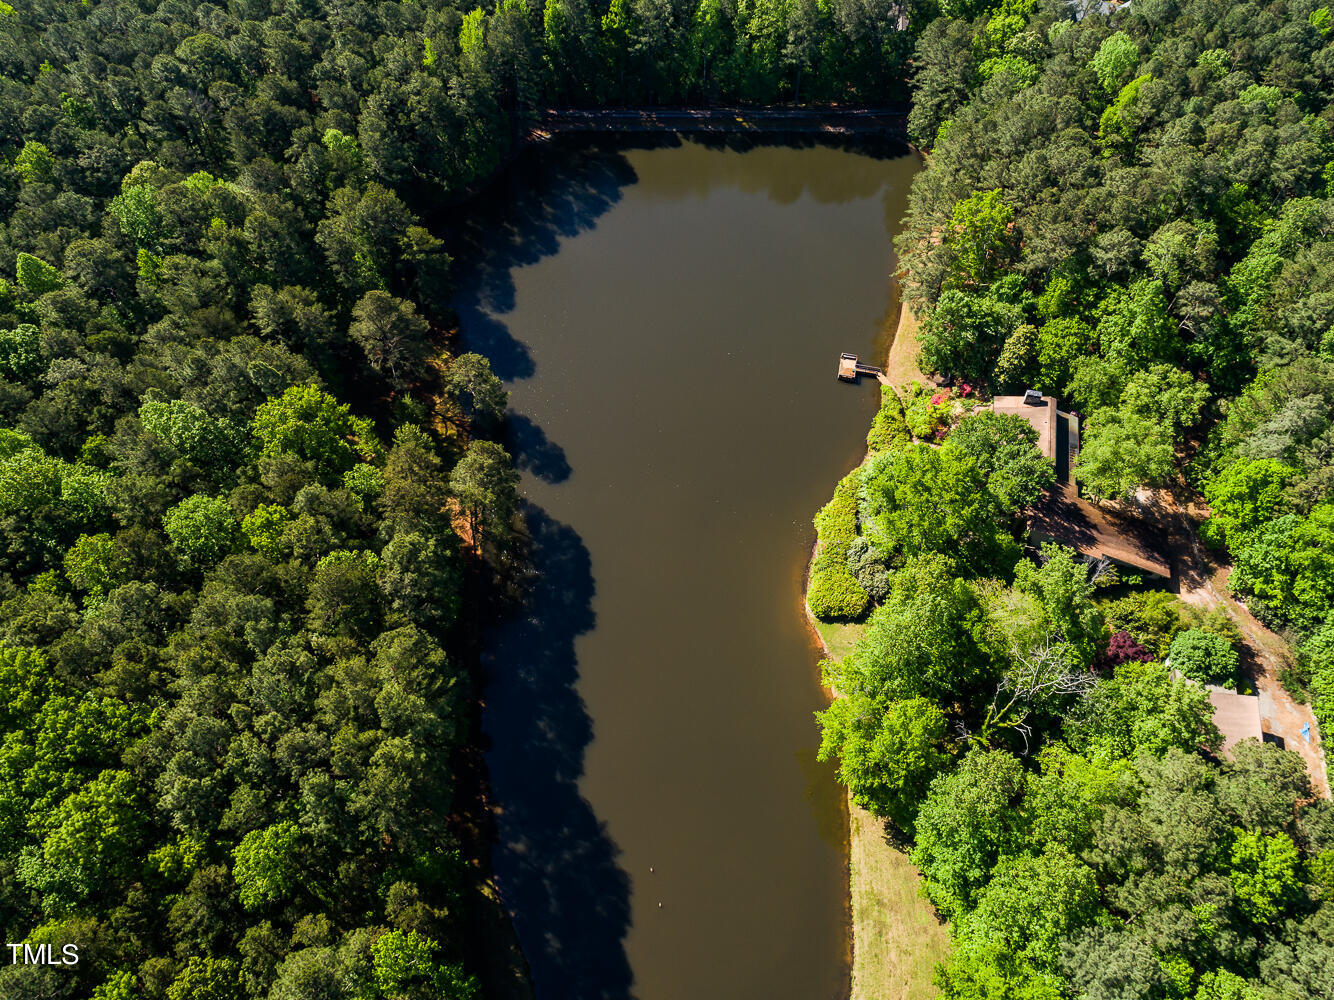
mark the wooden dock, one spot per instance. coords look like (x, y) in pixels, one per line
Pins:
(849, 368)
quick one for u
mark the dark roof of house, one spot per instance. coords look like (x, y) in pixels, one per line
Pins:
(1062, 515)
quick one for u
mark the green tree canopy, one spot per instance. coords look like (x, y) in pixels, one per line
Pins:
(481, 395)
(1245, 496)
(887, 757)
(35, 164)
(1030, 904)
(1143, 709)
(978, 235)
(1167, 396)
(486, 486)
(1264, 873)
(1289, 565)
(964, 333)
(267, 867)
(1115, 61)
(391, 333)
(971, 819)
(923, 499)
(199, 438)
(202, 528)
(406, 969)
(1122, 452)
(926, 640)
(309, 424)
(1061, 583)
(1003, 447)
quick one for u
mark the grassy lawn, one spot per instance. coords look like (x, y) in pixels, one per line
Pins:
(901, 366)
(898, 938)
(839, 638)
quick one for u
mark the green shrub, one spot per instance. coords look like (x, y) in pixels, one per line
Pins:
(833, 593)
(1153, 617)
(1215, 621)
(926, 411)
(836, 521)
(888, 429)
(1204, 657)
(868, 568)
(1296, 681)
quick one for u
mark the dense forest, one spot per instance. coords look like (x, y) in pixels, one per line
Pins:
(1130, 211)
(229, 492)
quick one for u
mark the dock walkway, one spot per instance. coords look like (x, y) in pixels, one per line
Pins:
(849, 367)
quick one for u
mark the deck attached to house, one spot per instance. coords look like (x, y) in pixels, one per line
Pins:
(1063, 516)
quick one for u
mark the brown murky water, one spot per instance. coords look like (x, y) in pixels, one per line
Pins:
(668, 322)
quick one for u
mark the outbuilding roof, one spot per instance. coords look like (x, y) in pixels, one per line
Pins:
(1237, 716)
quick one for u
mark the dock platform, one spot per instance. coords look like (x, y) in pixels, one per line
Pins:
(849, 368)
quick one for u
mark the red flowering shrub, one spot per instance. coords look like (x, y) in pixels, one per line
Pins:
(1122, 649)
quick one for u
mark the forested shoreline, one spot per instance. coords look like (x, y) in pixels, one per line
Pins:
(1129, 211)
(232, 492)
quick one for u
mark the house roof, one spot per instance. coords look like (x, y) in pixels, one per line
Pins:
(1062, 515)
(1237, 716)
(1043, 417)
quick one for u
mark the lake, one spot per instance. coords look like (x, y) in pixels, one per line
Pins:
(668, 322)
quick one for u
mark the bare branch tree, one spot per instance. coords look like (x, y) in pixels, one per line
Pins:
(1039, 673)
(1103, 572)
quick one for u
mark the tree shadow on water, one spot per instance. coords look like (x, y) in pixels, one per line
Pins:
(547, 195)
(533, 451)
(554, 860)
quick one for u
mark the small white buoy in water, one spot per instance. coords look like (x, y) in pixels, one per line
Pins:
(650, 869)
(660, 906)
